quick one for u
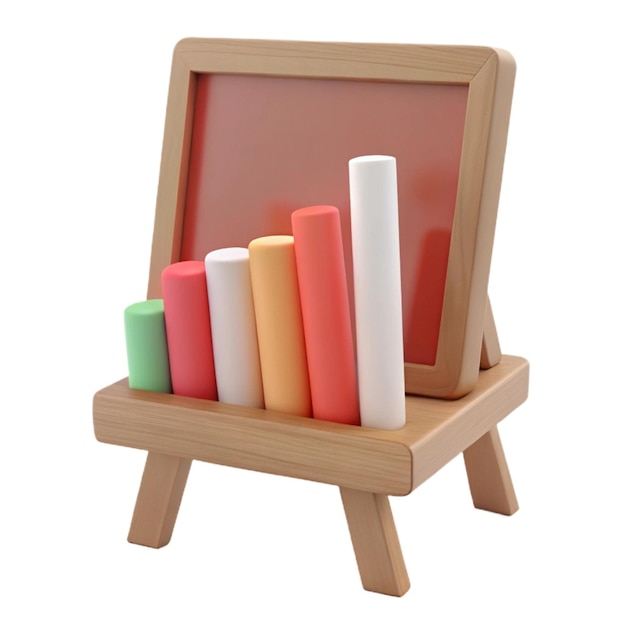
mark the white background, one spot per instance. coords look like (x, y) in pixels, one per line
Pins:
(82, 102)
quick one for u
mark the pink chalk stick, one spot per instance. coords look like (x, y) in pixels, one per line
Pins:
(188, 328)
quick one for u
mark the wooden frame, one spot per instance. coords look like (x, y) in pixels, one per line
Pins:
(488, 75)
(366, 464)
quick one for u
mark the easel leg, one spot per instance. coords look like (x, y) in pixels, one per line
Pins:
(490, 354)
(488, 475)
(158, 500)
(375, 542)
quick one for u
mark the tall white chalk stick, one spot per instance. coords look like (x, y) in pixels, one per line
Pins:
(233, 327)
(377, 290)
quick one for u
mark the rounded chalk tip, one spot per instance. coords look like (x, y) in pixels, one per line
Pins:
(373, 158)
(363, 168)
(145, 308)
(227, 255)
(271, 241)
(183, 269)
(315, 211)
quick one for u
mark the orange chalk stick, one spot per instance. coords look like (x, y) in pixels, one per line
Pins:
(188, 329)
(280, 333)
(326, 313)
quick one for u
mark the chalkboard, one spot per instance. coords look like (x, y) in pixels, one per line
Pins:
(258, 129)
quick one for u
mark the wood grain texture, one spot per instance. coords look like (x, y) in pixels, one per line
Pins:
(488, 72)
(160, 493)
(388, 462)
(452, 64)
(375, 542)
(488, 475)
(465, 296)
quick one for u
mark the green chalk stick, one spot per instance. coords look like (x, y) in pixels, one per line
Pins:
(146, 347)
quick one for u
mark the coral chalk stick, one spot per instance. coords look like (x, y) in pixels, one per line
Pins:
(326, 313)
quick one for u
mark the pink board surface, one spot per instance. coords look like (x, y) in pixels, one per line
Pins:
(263, 147)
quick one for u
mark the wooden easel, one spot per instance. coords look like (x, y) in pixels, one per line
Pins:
(367, 465)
